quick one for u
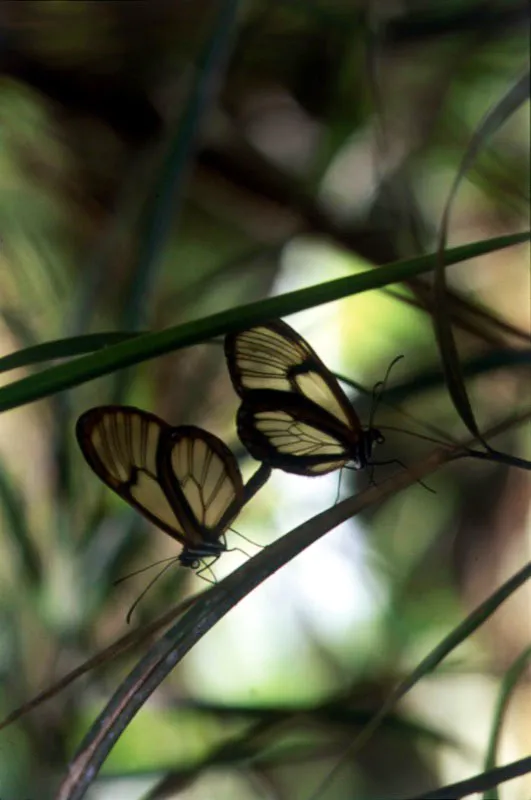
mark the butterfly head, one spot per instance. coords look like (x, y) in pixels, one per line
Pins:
(187, 559)
(375, 436)
(369, 439)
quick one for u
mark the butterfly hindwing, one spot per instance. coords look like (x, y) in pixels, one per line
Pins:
(184, 480)
(202, 480)
(290, 433)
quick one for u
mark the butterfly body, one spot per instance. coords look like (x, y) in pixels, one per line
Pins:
(294, 414)
(192, 557)
(183, 479)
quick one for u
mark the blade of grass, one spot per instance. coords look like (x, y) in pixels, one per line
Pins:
(168, 192)
(510, 680)
(147, 346)
(481, 322)
(430, 662)
(479, 783)
(132, 639)
(165, 204)
(477, 365)
(62, 348)
(206, 612)
(17, 529)
(254, 744)
(493, 120)
(333, 712)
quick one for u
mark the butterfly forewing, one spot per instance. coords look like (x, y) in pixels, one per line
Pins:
(201, 478)
(274, 357)
(185, 480)
(122, 445)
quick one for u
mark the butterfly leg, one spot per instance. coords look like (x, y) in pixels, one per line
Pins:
(237, 549)
(246, 538)
(336, 501)
(204, 568)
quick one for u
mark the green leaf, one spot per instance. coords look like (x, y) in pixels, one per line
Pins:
(510, 680)
(150, 345)
(494, 119)
(62, 348)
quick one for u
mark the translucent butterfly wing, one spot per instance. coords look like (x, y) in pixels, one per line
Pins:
(202, 480)
(273, 356)
(123, 446)
(290, 433)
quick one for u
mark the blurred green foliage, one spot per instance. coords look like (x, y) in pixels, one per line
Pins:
(164, 162)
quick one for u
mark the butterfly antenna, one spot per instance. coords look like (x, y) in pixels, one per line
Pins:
(379, 389)
(428, 425)
(148, 587)
(415, 434)
(140, 571)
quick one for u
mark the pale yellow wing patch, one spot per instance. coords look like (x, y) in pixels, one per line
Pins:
(121, 446)
(205, 482)
(266, 359)
(148, 493)
(291, 436)
(314, 387)
(125, 441)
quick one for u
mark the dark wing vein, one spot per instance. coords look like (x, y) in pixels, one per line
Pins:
(293, 436)
(203, 480)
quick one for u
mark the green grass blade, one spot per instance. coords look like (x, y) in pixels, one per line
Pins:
(208, 609)
(62, 348)
(494, 119)
(165, 203)
(432, 660)
(510, 680)
(151, 345)
(17, 528)
(168, 191)
(478, 783)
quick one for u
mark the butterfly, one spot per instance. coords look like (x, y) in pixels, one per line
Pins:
(294, 414)
(183, 479)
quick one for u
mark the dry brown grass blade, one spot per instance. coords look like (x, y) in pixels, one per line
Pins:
(131, 639)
